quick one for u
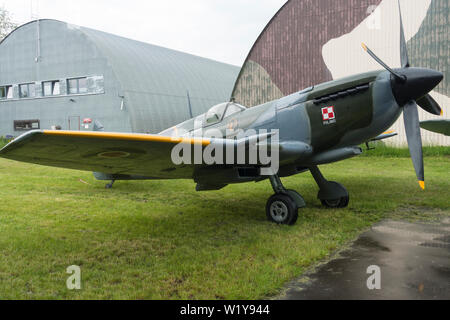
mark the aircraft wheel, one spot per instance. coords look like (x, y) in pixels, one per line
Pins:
(282, 209)
(344, 202)
(337, 203)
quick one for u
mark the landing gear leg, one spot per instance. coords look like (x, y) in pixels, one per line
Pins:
(282, 207)
(110, 185)
(331, 194)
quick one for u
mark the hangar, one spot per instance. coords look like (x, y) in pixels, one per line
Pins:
(54, 74)
(77, 73)
(309, 42)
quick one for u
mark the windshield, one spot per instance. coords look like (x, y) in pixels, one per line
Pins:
(221, 111)
(233, 108)
(215, 114)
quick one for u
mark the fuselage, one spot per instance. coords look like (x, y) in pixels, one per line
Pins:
(335, 114)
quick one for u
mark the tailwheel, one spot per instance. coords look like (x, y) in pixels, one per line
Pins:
(336, 203)
(282, 209)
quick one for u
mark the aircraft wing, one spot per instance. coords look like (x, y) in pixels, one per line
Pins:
(110, 153)
(438, 126)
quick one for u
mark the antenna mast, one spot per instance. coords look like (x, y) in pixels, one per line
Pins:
(34, 15)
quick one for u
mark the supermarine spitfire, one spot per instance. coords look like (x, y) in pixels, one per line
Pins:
(319, 125)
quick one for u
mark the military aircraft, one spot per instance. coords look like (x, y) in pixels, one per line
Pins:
(319, 125)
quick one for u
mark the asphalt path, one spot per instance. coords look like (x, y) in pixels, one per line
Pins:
(394, 260)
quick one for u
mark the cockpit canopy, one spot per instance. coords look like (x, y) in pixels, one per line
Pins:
(222, 111)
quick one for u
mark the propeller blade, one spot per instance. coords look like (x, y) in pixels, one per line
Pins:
(430, 105)
(412, 127)
(403, 48)
(399, 77)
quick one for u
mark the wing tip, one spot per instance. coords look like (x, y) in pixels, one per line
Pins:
(16, 142)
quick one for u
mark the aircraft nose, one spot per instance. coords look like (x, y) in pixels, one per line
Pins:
(418, 82)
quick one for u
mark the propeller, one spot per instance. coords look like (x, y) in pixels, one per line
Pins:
(404, 58)
(412, 128)
(428, 104)
(399, 77)
(411, 87)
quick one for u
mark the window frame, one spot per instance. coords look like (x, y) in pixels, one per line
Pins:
(9, 89)
(52, 88)
(5, 92)
(78, 90)
(231, 104)
(28, 85)
(19, 125)
(9, 92)
(209, 112)
(224, 115)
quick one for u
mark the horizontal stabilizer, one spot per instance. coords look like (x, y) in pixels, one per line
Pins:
(437, 126)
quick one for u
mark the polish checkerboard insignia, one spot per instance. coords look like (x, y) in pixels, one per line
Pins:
(328, 115)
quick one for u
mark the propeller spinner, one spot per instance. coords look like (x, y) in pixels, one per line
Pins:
(411, 87)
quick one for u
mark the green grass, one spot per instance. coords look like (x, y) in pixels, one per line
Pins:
(381, 150)
(3, 142)
(162, 240)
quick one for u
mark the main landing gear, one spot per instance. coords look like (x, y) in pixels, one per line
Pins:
(331, 194)
(282, 207)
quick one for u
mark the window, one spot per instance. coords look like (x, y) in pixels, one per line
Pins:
(25, 125)
(6, 92)
(233, 109)
(72, 86)
(51, 88)
(221, 111)
(77, 85)
(9, 92)
(27, 90)
(215, 114)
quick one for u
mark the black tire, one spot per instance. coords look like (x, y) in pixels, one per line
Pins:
(344, 202)
(336, 203)
(282, 209)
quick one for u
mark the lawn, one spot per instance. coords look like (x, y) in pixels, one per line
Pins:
(162, 240)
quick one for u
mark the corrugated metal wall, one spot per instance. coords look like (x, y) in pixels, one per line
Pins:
(155, 81)
(64, 53)
(145, 87)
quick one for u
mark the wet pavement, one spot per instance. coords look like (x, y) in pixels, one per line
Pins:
(413, 261)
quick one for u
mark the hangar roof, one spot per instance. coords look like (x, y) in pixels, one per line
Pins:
(141, 67)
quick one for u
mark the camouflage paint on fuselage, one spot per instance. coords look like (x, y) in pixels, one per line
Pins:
(361, 113)
(352, 101)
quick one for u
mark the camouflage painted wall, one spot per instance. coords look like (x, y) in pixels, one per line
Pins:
(430, 46)
(290, 48)
(310, 41)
